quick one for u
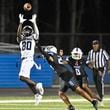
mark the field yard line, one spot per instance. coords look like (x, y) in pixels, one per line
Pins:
(43, 109)
(44, 100)
(39, 109)
(32, 108)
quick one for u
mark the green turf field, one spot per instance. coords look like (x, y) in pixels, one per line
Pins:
(48, 103)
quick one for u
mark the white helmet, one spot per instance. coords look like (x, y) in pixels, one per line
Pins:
(76, 53)
(51, 48)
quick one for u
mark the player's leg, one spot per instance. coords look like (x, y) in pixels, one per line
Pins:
(24, 76)
(86, 96)
(30, 83)
(75, 87)
(100, 86)
(87, 89)
(98, 80)
(39, 85)
(36, 88)
(95, 77)
(83, 93)
(84, 83)
(64, 97)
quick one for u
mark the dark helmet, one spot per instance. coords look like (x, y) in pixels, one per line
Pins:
(27, 31)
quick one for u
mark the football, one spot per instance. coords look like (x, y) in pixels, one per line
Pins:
(27, 6)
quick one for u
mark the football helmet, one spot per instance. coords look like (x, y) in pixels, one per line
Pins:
(27, 31)
(76, 53)
(52, 49)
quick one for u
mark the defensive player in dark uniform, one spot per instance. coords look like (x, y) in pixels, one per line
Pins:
(65, 75)
(77, 63)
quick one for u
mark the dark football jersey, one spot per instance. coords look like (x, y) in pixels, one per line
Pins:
(57, 64)
(77, 65)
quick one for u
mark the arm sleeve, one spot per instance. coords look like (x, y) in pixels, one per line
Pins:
(106, 55)
(19, 32)
(42, 51)
(88, 58)
(36, 35)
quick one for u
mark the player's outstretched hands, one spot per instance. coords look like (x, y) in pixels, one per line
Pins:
(33, 20)
(21, 18)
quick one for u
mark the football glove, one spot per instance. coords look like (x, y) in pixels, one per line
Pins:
(33, 20)
(21, 18)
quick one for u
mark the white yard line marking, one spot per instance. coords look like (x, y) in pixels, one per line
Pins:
(35, 109)
(32, 108)
(44, 101)
(45, 109)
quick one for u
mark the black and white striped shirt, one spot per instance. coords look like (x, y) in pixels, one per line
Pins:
(99, 58)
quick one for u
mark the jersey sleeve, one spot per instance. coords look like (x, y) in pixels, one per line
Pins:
(88, 58)
(106, 55)
(83, 61)
(42, 51)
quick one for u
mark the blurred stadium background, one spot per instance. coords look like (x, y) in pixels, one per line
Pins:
(64, 23)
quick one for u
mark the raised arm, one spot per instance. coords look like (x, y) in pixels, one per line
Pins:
(108, 60)
(48, 57)
(33, 20)
(19, 32)
(21, 20)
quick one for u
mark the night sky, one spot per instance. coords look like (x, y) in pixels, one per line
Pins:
(95, 16)
(92, 16)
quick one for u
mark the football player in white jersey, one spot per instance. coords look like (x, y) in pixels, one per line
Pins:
(27, 37)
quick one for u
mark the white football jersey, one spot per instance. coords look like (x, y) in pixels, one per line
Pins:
(27, 47)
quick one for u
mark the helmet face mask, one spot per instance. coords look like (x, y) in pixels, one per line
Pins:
(27, 31)
(52, 49)
(76, 53)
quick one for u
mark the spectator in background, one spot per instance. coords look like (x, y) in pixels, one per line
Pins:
(61, 52)
(97, 60)
(62, 57)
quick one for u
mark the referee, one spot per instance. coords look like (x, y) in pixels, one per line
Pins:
(98, 61)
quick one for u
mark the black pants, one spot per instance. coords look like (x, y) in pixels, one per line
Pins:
(98, 76)
(72, 84)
